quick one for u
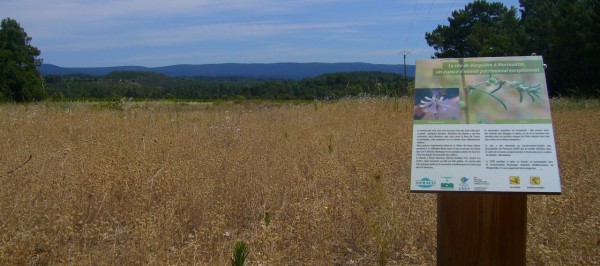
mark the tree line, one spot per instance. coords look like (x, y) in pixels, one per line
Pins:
(151, 85)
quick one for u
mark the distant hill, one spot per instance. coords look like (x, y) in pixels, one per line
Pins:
(272, 70)
(49, 69)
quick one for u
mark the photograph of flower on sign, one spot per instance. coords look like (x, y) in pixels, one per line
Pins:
(483, 124)
(437, 104)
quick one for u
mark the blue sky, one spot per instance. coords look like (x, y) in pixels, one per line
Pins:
(94, 33)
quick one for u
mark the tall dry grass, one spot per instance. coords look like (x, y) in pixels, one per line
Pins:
(172, 183)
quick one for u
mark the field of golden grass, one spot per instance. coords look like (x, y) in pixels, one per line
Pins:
(180, 183)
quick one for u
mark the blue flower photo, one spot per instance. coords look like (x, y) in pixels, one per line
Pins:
(437, 104)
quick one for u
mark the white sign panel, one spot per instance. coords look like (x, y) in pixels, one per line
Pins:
(483, 124)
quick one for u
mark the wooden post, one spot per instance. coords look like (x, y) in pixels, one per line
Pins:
(481, 228)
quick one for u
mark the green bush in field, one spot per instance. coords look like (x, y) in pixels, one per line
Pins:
(240, 253)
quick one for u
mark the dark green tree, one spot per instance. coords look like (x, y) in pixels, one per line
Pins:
(566, 33)
(480, 29)
(536, 18)
(19, 79)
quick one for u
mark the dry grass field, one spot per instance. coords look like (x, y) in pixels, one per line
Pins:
(180, 183)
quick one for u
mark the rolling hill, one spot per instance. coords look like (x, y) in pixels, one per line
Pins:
(271, 70)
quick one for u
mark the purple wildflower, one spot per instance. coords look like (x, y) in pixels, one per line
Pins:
(434, 104)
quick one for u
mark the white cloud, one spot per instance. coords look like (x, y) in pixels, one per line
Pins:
(78, 22)
(262, 30)
(197, 33)
(84, 11)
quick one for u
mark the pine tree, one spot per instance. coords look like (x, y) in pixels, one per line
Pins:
(19, 79)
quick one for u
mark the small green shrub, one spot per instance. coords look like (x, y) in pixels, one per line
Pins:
(240, 253)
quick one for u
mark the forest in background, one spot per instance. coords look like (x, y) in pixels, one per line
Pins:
(151, 85)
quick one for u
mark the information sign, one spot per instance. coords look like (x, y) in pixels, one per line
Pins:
(483, 124)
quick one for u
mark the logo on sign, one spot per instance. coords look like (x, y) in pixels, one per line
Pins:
(425, 182)
(463, 184)
(535, 180)
(515, 180)
(447, 184)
